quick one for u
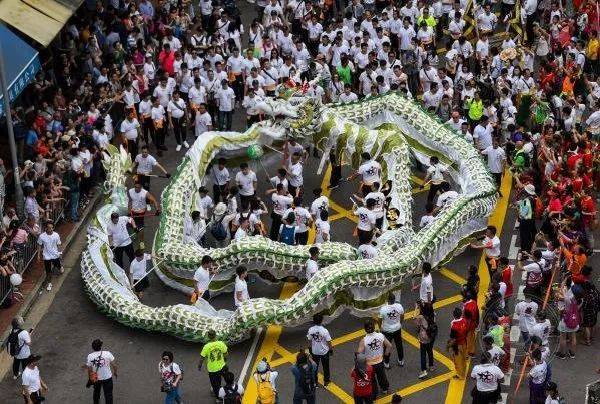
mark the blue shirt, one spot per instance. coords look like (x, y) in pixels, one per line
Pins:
(31, 138)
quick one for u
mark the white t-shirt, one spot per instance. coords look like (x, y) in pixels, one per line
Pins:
(311, 268)
(322, 228)
(50, 244)
(495, 158)
(138, 199)
(240, 286)
(425, 220)
(374, 347)
(240, 390)
(319, 204)
(295, 175)
(526, 312)
(496, 354)
(302, 217)
(446, 198)
(369, 171)
(367, 251)
(118, 231)
(31, 379)
(100, 362)
(240, 234)
(487, 376)
(542, 330)
(319, 338)
(176, 108)
(379, 199)
(390, 317)
(138, 267)
(24, 339)
(245, 182)
(145, 164)
(539, 372)
(366, 219)
(281, 203)
(130, 128)
(494, 246)
(202, 278)
(220, 177)
(426, 287)
(436, 173)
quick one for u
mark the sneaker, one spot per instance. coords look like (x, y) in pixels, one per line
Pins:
(49, 287)
(561, 356)
(386, 365)
(423, 374)
(186, 144)
(178, 147)
(400, 363)
(571, 355)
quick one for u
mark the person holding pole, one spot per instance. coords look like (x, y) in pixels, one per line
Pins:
(137, 272)
(143, 165)
(202, 278)
(119, 238)
(139, 198)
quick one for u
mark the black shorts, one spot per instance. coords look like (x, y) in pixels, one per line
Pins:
(143, 284)
(49, 264)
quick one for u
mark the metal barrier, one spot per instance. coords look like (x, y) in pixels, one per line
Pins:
(26, 253)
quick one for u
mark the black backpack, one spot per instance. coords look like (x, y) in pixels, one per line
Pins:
(307, 379)
(231, 395)
(432, 329)
(218, 230)
(12, 345)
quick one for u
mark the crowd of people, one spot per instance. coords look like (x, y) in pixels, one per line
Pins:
(521, 83)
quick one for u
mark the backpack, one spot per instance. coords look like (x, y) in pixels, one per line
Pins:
(266, 394)
(12, 344)
(363, 383)
(571, 314)
(307, 379)
(287, 234)
(218, 230)
(231, 395)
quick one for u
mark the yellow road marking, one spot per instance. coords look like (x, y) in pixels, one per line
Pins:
(456, 388)
(415, 388)
(453, 276)
(266, 347)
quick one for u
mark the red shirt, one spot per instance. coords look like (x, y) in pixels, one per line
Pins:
(471, 314)
(458, 331)
(166, 61)
(572, 160)
(507, 279)
(588, 206)
(363, 387)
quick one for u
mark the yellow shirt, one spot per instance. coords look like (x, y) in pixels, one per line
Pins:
(592, 49)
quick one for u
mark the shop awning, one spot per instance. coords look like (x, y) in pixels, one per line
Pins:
(21, 63)
(40, 20)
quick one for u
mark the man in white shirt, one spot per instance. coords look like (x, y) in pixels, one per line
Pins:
(220, 177)
(240, 293)
(487, 376)
(526, 310)
(49, 248)
(246, 182)
(32, 384)
(158, 115)
(491, 247)
(320, 346)
(22, 349)
(143, 165)
(202, 277)
(203, 121)
(303, 221)
(347, 96)
(482, 134)
(370, 172)
(446, 197)
(435, 177)
(119, 238)
(312, 265)
(366, 221)
(101, 363)
(295, 175)
(131, 129)
(225, 98)
(367, 251)
(426, 288)
(177, 114)
(496, 160)
(281, 202)
(392, 317)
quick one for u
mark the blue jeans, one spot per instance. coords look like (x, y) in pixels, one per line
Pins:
(173, 396)
(225, 120)
(74, 205)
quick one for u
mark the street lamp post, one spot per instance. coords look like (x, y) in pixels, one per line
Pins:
(11, 139)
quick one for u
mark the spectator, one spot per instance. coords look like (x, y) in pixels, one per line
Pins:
(305, 379)
(101, 367)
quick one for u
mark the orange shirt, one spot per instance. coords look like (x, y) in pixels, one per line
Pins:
(574, 261)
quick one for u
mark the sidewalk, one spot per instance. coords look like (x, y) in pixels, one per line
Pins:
(31, 287)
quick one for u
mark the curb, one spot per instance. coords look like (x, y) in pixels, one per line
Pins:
(33, 296)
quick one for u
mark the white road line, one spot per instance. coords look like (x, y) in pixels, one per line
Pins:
(503, 398)
(249, 357)
(521, 294)
(513, 354)
(513, 250)
(515, 333)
